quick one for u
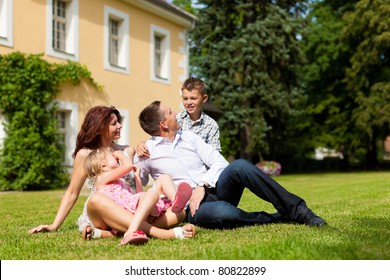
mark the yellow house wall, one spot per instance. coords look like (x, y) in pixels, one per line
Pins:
(130, 92)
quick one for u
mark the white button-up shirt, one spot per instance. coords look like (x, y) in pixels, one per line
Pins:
(187, 158)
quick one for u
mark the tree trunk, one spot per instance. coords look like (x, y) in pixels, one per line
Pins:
(371, 154)
(244, 154)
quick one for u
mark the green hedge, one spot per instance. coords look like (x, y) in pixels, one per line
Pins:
(31, 156)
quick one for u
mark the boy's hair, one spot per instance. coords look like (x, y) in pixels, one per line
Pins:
(150, 118)
(93, 162)
(194, 83)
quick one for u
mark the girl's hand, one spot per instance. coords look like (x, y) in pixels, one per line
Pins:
(137, 170)
(121, 157)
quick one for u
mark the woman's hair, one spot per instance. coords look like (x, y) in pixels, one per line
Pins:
(95, 122)
(93, 162)
(150, 118)
(194, 83)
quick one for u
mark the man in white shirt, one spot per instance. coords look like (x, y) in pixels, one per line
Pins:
(217, 185)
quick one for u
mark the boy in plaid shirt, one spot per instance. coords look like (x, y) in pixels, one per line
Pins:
(193, 118)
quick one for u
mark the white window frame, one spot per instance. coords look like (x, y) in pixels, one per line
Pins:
(165, 34)
(71, 127)
(72, 31)
(125, 131)
(61, 130)
(6, 23)
(124, 41)
(3, 133)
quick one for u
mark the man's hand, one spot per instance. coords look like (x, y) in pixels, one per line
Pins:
(196, 198)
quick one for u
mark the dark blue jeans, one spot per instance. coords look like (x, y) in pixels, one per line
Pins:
(220, 210)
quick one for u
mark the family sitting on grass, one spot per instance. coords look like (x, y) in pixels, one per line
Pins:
(193, 181)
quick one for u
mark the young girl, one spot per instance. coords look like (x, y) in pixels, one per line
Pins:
(106, 167)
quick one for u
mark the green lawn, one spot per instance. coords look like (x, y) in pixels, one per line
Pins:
(355, 205)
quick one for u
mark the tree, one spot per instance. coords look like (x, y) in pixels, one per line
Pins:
(327, 109)
(367, 30)
(346, 75)
(248, 53)
(185, 5)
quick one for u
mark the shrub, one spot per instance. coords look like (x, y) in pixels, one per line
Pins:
(31, 156)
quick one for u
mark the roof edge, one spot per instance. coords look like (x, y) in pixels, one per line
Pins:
(166, 10)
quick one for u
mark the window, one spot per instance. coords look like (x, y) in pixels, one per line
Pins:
(67, 117)
(116, 40)
(6, 27)
(62, 29)
(157, 56)
(160, 54)
(59, 25)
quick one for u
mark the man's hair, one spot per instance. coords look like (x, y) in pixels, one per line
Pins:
(150, 117)
(194, 83)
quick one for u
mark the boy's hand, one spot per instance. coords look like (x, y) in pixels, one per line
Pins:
(142, 150)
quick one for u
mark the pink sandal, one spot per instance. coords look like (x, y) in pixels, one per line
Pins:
(183, 194)
(137, 238)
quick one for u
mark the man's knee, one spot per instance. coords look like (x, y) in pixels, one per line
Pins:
(214, 214)
(241, 163)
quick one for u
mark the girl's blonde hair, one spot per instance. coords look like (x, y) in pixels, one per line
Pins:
(93, 162)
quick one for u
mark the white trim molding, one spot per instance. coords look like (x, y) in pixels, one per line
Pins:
(72, 124)
(6, 23)
(125, 131)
